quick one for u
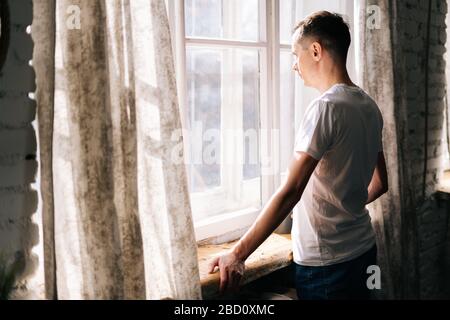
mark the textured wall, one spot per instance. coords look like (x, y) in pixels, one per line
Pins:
(19, 233)
(432, 214)
(434, 247)
(413, 25)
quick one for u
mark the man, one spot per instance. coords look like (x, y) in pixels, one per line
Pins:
(338, 167)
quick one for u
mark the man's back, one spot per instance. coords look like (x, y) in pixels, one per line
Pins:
(342, 128)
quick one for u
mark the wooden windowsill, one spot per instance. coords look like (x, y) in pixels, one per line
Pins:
(443, 188)
(444, 184)
(275, 253)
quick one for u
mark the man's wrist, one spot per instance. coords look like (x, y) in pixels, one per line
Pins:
(238, 252)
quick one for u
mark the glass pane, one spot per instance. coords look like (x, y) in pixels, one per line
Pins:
(287, 108)
(203, 18)
(223, 87)
(226, 19)
(250, 114)
(287, 20)
(292, 11)
(204, 69)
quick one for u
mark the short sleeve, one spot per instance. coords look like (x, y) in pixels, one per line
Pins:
(315, 134)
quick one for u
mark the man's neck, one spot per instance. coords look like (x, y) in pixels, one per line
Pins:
(334, 76)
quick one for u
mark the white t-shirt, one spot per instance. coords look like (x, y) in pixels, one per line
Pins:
(342, 128)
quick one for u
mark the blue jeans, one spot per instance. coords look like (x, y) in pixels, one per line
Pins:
(346, 280)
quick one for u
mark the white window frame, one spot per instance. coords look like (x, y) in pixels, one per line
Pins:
(233, 224)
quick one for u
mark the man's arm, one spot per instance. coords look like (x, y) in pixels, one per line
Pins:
(379, 183)
(231, 265)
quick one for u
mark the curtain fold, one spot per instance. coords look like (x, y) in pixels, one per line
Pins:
(122, 224)
(44, 52)
(382, 76)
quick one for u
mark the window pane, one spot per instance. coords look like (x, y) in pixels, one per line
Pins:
(250, 114)
(287, 108)
(292, 11)
(204, 116)
(287, 20)
(203, 18)
(226, 19)
(223, 118)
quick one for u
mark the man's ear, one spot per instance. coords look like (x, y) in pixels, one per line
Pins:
(316, 51)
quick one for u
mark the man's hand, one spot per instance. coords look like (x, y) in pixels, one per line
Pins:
(231, 271)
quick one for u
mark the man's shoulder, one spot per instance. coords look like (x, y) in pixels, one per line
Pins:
(326, 103)
(341, 97)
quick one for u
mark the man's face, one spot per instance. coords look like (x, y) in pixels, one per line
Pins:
(305, 60)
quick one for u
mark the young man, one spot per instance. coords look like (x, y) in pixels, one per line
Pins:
(338, 167)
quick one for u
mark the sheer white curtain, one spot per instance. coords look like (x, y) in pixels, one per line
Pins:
(445, 132)
(116, 213)
(393, 216)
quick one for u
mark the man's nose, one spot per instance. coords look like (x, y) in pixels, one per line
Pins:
(294, 66)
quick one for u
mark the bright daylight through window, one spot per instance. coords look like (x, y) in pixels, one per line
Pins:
(240, 100)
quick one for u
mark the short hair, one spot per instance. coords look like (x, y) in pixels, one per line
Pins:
(329, 29)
